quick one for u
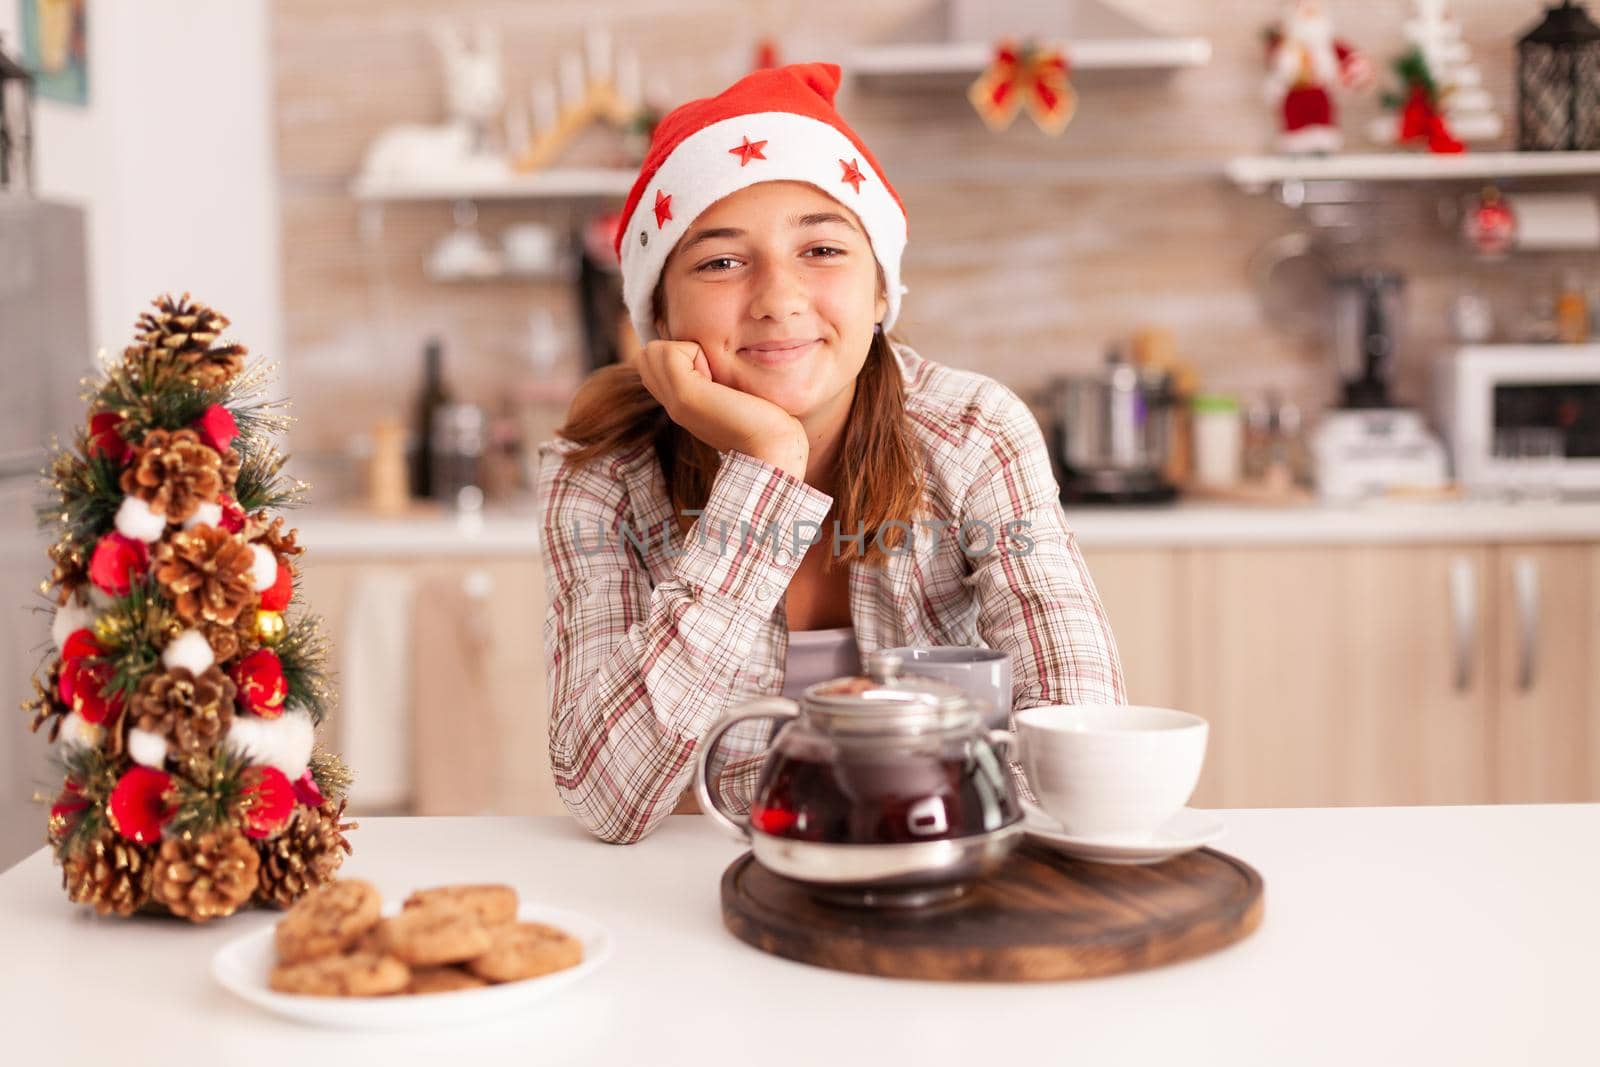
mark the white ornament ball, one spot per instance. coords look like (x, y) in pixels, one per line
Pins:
(78, 732)
(204, 515)
(70, 618)
(135, 519)
(188, 650)
(146, 748)
(264, 571)
(284, 742)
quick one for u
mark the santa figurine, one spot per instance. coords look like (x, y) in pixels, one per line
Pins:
(1304, 61)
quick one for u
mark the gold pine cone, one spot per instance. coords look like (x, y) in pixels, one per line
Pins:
(270, 530)
(206, 877)
(206, 574)
(186, 333)
(193, 712)
(112, 875)
(69, 570)
(230, 641)
(304, 856)
(175, 472)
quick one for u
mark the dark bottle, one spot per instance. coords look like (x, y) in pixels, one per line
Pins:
(432, 397)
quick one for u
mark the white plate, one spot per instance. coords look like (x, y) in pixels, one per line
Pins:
(1184, 832)
(243, 964)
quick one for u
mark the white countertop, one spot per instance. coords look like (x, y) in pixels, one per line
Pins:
(1391, 936)
(1193, 524)
(332, 534)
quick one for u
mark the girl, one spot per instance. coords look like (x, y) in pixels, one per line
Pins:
(775, 488)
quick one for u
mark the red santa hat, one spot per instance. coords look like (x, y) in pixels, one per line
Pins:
(771, 125)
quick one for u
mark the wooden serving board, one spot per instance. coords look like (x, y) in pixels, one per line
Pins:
(1042, 916)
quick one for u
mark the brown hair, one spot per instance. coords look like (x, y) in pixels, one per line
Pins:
(880, 469)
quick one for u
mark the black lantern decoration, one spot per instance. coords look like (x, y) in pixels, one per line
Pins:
(16, 124)
(1558, 82)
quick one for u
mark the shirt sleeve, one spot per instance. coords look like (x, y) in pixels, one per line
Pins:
(639, 675)
(1035, 598)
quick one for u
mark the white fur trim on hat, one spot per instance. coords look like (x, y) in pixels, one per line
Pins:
(704, 169)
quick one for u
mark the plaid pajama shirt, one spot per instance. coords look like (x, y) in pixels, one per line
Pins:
(653, 635)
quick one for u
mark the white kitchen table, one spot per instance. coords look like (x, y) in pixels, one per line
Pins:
(1391, 936)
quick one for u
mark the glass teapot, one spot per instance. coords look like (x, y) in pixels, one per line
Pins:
(882, 783)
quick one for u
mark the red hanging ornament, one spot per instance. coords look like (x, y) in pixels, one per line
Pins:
(259, 678)
(217, 428)
(104, 439)
(233, 516)
(116, 562)
(1490, 226)
(268, 802)
(65, 812)
(307, 792)
(81, 644)
(276, 596)
(83, 677)
(140, 805)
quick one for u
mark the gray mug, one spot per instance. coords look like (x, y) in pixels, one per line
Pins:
(984, 674)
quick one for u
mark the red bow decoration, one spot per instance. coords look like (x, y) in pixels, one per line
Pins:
(1421, 120)
(1028, 77)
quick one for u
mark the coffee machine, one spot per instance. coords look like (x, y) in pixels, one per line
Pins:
(1370, 445)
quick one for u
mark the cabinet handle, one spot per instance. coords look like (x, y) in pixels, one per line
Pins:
(1464, 616)
(1525, 581)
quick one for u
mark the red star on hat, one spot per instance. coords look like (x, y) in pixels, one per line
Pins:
(748, 151)
(852, 174)
(663, 208)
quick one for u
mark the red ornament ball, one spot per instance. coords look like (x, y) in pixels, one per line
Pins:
(140, 806)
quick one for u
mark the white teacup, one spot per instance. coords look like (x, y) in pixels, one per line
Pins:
(1111, 770)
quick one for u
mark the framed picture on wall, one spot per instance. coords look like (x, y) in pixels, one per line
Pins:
(55, 47)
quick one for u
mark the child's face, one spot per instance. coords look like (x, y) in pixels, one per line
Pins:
(776, 264)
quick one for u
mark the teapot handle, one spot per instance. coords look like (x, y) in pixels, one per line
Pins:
(1007, 743)
(761, 708)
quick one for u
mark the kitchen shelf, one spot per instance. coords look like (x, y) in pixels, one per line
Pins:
(1256, 173)
(972, 58)
(567, 183)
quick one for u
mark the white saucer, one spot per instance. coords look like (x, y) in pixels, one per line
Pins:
(1184, 832)
(242, 966)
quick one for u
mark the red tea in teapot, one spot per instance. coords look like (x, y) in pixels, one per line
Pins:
(882, 795)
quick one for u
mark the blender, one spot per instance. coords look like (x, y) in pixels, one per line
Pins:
(1370, 445)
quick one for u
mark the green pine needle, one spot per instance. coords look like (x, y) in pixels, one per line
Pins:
(303, 654)
(332, 774)
(209, 794)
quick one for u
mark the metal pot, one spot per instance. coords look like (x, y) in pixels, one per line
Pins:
(1113, 432)
(876, 790)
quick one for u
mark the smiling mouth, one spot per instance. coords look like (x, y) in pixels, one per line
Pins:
(787, 353)
(775, 357)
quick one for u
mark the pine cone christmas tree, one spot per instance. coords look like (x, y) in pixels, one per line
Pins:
(184, 692)
(187, 333)
(206, 876)
(111, 875)
(177, 472)
(191, 711)
(206, 573)
(304, 856)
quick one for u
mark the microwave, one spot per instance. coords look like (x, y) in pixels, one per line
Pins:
(1483, 390)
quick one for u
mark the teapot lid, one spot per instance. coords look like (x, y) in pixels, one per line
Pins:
(884, 701)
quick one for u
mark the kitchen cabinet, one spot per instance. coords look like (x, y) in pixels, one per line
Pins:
(475, 630)
(1547, 692)
(1371, 674)
(1348, 675)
